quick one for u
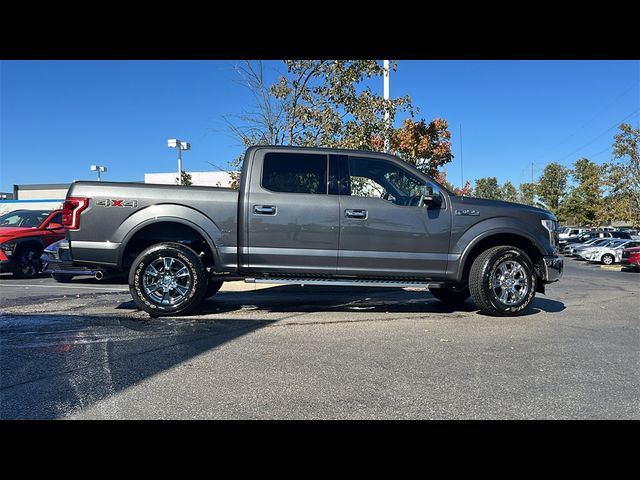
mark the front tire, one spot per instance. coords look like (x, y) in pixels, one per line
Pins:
(502, 281)
(451, 294)
(167, 279)
(608, 259)
(29, 264)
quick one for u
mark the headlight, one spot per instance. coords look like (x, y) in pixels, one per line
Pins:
(552, 227)
(8, 248)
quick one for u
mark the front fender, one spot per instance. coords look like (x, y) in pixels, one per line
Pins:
(168, 213)
(490, 227)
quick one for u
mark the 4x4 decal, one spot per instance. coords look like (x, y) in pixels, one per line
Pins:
(109, 202)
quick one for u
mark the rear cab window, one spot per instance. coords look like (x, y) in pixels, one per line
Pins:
(295, 173)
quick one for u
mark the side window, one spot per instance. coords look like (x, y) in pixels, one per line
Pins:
(295, 173)
(377, 178)
(56, 219)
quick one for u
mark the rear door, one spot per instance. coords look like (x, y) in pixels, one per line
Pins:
(292, 221)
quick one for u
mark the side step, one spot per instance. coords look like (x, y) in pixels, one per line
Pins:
(346, 282)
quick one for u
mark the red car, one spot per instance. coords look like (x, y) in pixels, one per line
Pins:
(24, 234)
(631, 258)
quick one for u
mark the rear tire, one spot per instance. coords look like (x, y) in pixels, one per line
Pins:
(502, 281)
(451, 294)
(29, 264)
(61, 277)
(167, 279)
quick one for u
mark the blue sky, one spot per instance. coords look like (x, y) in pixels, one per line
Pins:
(59, 117)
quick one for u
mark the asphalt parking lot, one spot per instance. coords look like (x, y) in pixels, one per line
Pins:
(84, 351)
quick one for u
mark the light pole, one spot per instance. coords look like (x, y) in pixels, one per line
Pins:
(386, 97)
(180, 145)
(99, 169)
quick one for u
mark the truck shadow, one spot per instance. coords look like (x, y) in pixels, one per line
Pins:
(308, 299)
(55, 365)
(294, 298)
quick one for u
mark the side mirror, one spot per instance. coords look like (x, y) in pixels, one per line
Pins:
(430, 195)
(54, 226)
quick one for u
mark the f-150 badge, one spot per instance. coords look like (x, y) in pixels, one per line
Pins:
(473, 213)
(109, 202)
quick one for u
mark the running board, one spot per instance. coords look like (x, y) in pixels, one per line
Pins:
(346, 282)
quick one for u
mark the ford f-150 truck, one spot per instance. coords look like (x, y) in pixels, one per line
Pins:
(313, 216)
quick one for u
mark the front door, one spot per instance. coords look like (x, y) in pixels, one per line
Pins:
(385, 231)
(292, 220)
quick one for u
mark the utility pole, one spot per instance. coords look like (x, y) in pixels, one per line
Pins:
(531, 171)
(461, 170)
(386, 97)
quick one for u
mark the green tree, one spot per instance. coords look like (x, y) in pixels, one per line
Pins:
(527, 193)
(622, 178)
(329, 103)
(552, 185)
(508, 192)
(582, 203)
(186, 179)
(487, 188)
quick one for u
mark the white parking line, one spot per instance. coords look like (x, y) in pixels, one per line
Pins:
(68, 286)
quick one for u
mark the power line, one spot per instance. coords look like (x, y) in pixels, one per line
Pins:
(597, 115)
(596, 138)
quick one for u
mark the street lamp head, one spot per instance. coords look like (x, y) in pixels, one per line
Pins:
(185, 146)
(173, 142)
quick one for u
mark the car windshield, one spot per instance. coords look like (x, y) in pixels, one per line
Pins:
(616, 243)
(596, 241)
(23, 218)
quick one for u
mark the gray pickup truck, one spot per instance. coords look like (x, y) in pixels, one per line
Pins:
(313, 216)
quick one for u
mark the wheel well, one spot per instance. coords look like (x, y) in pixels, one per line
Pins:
(514, 240)
(167, 232)
(30, 243)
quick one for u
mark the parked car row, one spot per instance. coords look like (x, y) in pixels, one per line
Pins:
(605, 247)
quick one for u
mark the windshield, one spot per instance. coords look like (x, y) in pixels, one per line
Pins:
(596, 241)
(23, 218)
(615, 243)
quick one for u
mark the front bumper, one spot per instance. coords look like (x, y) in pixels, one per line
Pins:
(553, 267)
(8, 265)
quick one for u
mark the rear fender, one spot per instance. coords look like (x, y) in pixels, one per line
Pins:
(168, 213)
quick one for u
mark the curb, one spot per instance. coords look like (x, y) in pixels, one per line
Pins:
(241, 286)
(611, 267)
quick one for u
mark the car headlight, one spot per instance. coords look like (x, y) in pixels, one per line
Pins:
(552, 227)
(8, 248)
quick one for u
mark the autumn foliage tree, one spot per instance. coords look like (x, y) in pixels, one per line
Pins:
(330, 103)
(427, 146)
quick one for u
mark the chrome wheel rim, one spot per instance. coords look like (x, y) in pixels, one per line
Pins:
(607, 260)
(510, 282)
(167, 281)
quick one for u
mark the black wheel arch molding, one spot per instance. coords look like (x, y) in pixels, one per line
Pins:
(457, 270)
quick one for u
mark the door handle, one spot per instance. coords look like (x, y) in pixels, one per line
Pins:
(264, 210)
(361, 214)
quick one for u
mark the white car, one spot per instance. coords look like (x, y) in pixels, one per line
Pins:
(567, 232)
(610, 254)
